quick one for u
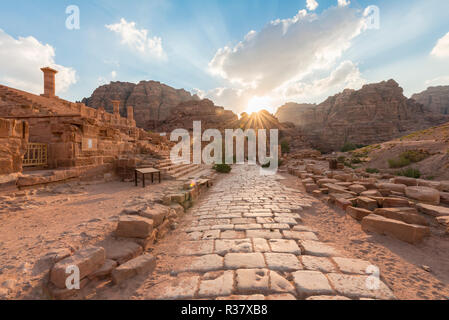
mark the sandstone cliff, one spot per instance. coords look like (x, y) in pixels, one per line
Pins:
(152, 101)
(376, 113)
(435, 99)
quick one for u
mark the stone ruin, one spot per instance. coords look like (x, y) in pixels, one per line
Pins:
(69, 136)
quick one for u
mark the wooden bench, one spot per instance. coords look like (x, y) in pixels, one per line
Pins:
(145, 171)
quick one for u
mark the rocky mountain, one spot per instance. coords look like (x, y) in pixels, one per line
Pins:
(376, 113)
(435, 99)
(152, 101)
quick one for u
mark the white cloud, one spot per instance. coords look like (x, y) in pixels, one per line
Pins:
(287, 53)
(439, 81)
(138, 39)
(21, 60)
(343, 3)
(441, 49)
(345, 76)
(312, 5)
(113, 74)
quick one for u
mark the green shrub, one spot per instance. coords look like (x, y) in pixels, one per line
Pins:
(399, 162)
(285, 146)
(356, 160)
(372, 170)
(348, 146)
(410, 173)
(222, 168)
(408, 157)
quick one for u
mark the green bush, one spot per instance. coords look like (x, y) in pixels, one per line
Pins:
(408, 157)
(399, 162)
(222, 168)
(348, 146)
(372, 170)
(410, 173)
(285, 146)
(356, 160)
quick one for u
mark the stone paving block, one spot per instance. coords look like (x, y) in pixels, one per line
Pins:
(224, 246)
(278, 226)
(243, 227)
(316, 248)
(281, 297)
(265, 220)
(327, 298)
(352, 266)
(299, 235)
(197, 229)
(231, 234)
(302, 228)
(211, 234)
(195, 235)
(179, 288)
(311, 283)
(206, 263)
(321, 264)
(215, 284)
(252, 281)
(223, 227)
(265, 234)
(284, 246)
(257, 214)
(195, 248)
(279, 284)
(253, 297)
(356, 287)
(286, 220)
(243, 220)
(282, 261)
(244, 260)
(260, 245)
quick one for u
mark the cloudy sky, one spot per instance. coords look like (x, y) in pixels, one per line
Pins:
(242, 54)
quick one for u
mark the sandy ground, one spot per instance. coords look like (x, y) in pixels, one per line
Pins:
(58, 218)
(401, 264)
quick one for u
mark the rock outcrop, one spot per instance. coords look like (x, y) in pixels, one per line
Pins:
(152, 101)
(435, 99)
(376, 113)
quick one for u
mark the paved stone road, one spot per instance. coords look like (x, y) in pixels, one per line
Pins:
(246, 241)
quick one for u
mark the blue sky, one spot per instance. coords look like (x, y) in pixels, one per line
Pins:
(199, 47)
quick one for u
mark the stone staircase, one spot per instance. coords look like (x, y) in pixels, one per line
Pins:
(175, 171)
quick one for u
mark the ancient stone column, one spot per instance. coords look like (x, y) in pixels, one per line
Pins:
(130, 111)
(116, 107)
(49, 82)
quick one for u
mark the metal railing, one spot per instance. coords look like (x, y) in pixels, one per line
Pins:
(36, 155)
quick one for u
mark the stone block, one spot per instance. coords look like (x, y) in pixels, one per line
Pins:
(311, 283)
(88, 261)
(407, 215)
(141, 265)
(367, 203)
(357, 213)
(434, 211)
(134, 227)
(424, 194)
(410, 233)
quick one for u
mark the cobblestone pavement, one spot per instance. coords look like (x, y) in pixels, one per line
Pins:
(245, 240)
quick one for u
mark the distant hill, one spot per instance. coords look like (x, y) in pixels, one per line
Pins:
(152, 101)
(435, 99)
(376, 113)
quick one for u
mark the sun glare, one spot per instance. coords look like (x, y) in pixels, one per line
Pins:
(257, 104)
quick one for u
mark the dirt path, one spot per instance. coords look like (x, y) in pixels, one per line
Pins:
(245, 240)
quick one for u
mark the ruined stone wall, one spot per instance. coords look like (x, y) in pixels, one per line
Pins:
(13, 140)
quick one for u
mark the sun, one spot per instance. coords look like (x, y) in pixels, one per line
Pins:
(257, 104)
